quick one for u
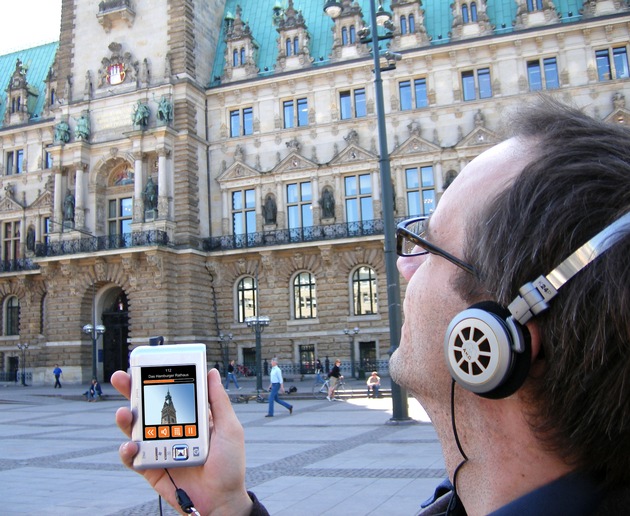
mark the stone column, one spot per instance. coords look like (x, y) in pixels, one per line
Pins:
(163, 185)
(138, 187)
(58, 201)
(79, 195)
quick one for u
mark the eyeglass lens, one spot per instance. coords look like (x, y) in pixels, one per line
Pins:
(416, 227)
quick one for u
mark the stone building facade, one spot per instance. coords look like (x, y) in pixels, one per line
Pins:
(173, 167)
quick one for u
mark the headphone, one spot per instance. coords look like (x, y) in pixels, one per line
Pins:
(488, 347)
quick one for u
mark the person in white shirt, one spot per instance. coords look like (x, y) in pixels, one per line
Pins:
(276, 386)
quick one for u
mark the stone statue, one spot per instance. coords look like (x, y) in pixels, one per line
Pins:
(165, 111)
(62, 132)
(30, 238)
(150, 195)
(140, 115)
(327, 202)
(82, 130)
(270, 210)
(68, 207)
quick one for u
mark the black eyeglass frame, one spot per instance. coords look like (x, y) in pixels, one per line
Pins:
(402, 234)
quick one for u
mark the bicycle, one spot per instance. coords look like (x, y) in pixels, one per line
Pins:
(320, 390)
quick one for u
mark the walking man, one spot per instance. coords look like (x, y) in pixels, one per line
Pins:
(57, 372)
(277, 385)
(230, 376)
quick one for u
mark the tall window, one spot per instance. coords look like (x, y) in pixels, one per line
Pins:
(364, 291)
(358, 197)
(246, 298)
(295, 113)
(619, 58)
(119, 216)
(348, 35)
(299, 208)
(412, 24)
(352, 104)
(403, 25)
(534, 5)
(473, 12)
(48, 160)
(304, 296)
(476, 84)
(11, 240)
(465, 15)
(241, 122)
(415, 96)
(307, 359)
(47, 229)
(543, 74)
(244, 212)
(12, 316)
(420, 187)
(15, 162)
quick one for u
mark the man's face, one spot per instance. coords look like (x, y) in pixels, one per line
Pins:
(430, 300)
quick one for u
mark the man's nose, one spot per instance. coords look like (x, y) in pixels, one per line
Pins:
(407, 265)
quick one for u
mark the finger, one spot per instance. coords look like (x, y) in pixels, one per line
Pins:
(223, 416)
(124, 420)
(127, 452)
(121, 381)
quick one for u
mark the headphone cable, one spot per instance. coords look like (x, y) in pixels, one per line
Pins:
(454, 499)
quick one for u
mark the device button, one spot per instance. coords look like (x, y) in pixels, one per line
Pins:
(177, 431)
(164, 432)
(150, 432)
(180, 452)
(190, 430)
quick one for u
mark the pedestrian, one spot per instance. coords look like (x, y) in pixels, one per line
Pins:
(515, 339)
(373, 384)
(217, 366)
(319, 369)
(230, 376)
(57, 373)
(334, 377)
(95, 392)
(276, 386)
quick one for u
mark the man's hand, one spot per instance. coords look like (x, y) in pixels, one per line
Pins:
(218, 487)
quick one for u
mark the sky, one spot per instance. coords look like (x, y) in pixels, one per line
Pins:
(28, 23)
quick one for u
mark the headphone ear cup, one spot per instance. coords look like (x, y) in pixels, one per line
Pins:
(479, 351)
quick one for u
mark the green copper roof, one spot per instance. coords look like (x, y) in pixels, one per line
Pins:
(438, 20)
(37, 62)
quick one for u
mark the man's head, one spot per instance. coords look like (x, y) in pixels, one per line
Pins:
(274, 361)
(567, 179)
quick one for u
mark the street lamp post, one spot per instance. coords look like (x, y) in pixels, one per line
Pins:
(23, 347)
(94, 330)
(257, 323)
(333, 8)
(351, 334)
(225, 349)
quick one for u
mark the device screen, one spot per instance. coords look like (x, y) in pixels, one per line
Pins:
(169, 399)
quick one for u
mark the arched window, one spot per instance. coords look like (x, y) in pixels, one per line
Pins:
(403, 25)
(235, 58)
(12, 316)
(353, 35)
(344, 36)
(465, 18)
(246, 298)
(304, 296)
(364, 299)
(288, 46)
(242, 56)
(473, 11)
(52, 97)
(296, 46)
(534, 5)
(412, 24)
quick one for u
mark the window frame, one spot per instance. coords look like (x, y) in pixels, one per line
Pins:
(241, 299)
(352, 103)
(422, 190)
(241, 122)
(474, 81)
(11, 316)
(304, 307)
(298, 110)
(359, 286)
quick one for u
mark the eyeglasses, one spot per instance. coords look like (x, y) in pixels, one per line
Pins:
(410, 241)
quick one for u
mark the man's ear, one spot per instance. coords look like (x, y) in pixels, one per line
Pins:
(538, 353)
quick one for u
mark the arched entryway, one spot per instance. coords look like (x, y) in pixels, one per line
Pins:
(116, 321)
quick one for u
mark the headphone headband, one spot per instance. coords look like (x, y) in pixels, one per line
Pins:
(534, 296)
